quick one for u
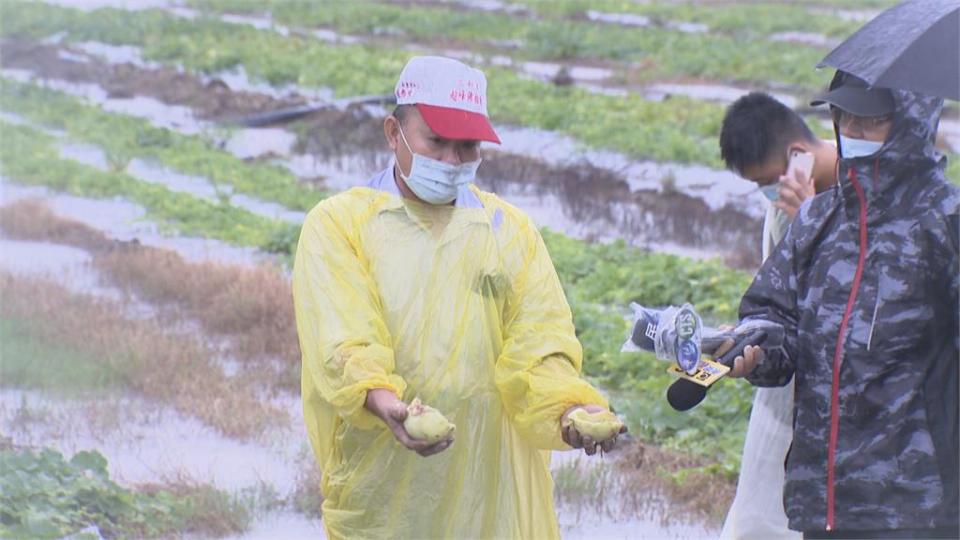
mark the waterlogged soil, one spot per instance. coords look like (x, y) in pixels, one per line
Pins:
(146, 442)
(581, 199)
(590, 200)
(212, 99)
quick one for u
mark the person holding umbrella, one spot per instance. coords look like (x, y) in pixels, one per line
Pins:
(866, 285)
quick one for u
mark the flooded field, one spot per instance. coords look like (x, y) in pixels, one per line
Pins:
(159, 157)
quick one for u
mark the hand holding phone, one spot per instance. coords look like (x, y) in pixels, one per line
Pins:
(796, 185)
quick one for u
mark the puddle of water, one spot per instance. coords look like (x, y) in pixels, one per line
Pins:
(267, 209)
(16, 119)
(716, 188)
(72, 57)
(626, 19)
(631, 19)
(258, 142)
(115, 54)
(854, 15)
(202, 188)
(164, 443)
(642, 223)
(688, 27)
(610, 518)
(92, 5)
(339, 172)
(260, 22)
(806, 38)
(493, 5)
(706, 92)
(71, 267)
(595, 526)
(244, 144)
(548, 70)
(238, 79)
(173, 117)
(606, 90)
(593, 213)
(123, 220)
(87, 154)
(68, 265)
(284, 526)
(583, 73)
(154, 173)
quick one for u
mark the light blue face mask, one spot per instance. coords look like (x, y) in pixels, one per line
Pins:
(854, 148)
(771, 192)
(434, 181)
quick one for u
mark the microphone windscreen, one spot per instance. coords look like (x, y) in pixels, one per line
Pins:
(684, 395)
(645, 330)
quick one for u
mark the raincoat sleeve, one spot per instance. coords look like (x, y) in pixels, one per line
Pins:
(344, 341)
(772, 297)
(538, 370)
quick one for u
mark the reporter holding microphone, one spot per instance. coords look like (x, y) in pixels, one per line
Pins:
(865, 285)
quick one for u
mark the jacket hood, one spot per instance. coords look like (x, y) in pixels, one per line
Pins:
(909, 153)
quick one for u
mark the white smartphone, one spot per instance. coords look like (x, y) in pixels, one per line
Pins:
(800, 161)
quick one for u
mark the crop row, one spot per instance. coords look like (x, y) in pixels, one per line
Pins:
(125, 137)
(680, 129)
(652, 52)
(743, 20)
(31, 157)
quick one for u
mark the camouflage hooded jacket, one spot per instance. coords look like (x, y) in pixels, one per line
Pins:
(866, 284)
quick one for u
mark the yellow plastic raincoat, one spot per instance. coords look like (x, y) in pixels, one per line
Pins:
(463, 308)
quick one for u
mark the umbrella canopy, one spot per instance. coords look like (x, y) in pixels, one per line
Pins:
(914, 46)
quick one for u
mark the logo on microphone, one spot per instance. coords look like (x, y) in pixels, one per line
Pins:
(687, 325)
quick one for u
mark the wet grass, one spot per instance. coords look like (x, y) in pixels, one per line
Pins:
(307, 497)
(44, 495)
(683, 477)
(147, 358)
(251, 306)
(586, 486)
(32, 363)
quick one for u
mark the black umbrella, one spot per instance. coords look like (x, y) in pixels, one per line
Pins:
(914, 45)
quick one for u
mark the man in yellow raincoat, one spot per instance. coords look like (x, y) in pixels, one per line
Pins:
(421, 285)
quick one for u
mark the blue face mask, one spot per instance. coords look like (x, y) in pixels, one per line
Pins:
(771, 192)
(854, 148)
(434, 181)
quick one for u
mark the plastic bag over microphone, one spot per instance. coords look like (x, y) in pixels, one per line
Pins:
(675, 334)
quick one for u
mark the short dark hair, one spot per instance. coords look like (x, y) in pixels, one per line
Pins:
(400, 112)
(757, 127)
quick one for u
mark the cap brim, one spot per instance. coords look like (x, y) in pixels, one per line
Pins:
(857, 100)
(458, 124)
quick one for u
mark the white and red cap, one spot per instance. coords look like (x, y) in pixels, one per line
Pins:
(450, 95)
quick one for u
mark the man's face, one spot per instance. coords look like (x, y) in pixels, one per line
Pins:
(867, 128)
(767, 172)
(422, 140)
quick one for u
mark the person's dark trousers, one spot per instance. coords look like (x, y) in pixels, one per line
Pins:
(915, 534)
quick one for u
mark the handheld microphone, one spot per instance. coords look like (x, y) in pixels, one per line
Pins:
(684, 394)
(674, 334)
(645, 330)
